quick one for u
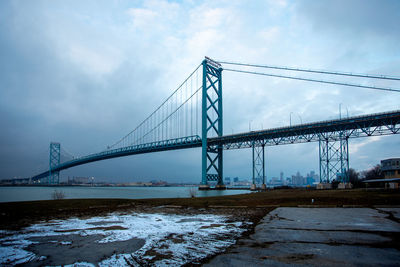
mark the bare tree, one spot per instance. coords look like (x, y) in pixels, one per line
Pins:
(192, 192)
(353, 176)
(373, 173)
(58, 194)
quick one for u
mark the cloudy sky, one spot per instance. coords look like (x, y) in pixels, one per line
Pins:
(85, 73)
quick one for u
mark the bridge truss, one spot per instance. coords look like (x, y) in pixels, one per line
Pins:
(332, 136)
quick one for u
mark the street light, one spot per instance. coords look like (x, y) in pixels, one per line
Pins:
(301, 121)
(290, 118)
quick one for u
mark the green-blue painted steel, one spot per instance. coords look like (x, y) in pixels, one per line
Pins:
(54, 162)
(204, 127)
(212, 123)
(220, 128)
(334, 158)
(258, 164)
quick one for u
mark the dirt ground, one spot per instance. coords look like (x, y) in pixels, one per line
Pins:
(68, 249)
(253, 206)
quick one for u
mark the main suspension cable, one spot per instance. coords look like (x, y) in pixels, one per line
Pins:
(359, 75)
(314, 80)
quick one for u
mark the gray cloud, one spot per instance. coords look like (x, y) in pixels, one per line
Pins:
(86, 73)
(373, 18)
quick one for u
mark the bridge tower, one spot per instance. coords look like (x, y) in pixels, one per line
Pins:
(334, 158)
(258, 166)
(54, 177)
(212, 168)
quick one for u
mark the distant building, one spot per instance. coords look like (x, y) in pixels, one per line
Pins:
(236, 179)
(298, 179)
(158, 183)
(391, 175)
(391, 168)
(311, 178)
(81, 180)
(243, 183)
(276, 182)
(227, 180)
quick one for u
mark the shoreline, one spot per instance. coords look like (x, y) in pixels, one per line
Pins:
(14, 194)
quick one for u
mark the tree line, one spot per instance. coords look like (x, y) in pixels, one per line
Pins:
(356, 178)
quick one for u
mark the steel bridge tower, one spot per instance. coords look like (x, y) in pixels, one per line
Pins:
(212, 166)
(54, 177)
(258, 166)
(334, 158)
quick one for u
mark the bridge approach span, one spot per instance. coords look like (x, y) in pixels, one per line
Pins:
(173, 144)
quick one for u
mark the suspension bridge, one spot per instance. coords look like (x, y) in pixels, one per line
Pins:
(192, 116)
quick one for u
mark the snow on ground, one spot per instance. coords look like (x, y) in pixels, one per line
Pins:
(170, 239)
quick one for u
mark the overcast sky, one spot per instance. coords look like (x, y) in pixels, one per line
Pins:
(85, 73)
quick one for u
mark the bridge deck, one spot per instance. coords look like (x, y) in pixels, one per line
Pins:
(173, 144)
(365, 125)
(358, 126)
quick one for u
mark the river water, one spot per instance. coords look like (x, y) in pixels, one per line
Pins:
(28, 193)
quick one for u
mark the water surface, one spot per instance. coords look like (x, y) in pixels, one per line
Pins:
(28, 193)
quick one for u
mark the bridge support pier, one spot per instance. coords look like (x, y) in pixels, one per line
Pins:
(212, 167)
(204, 187)
(54, 177)
(334, 158)
(258, 167)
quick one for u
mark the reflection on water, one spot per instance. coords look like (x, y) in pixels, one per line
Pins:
(15, 193)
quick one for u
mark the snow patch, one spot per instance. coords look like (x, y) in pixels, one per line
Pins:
(11, 255)
(170, 239)
(81, 264)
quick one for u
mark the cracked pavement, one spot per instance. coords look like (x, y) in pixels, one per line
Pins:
(320, 237)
